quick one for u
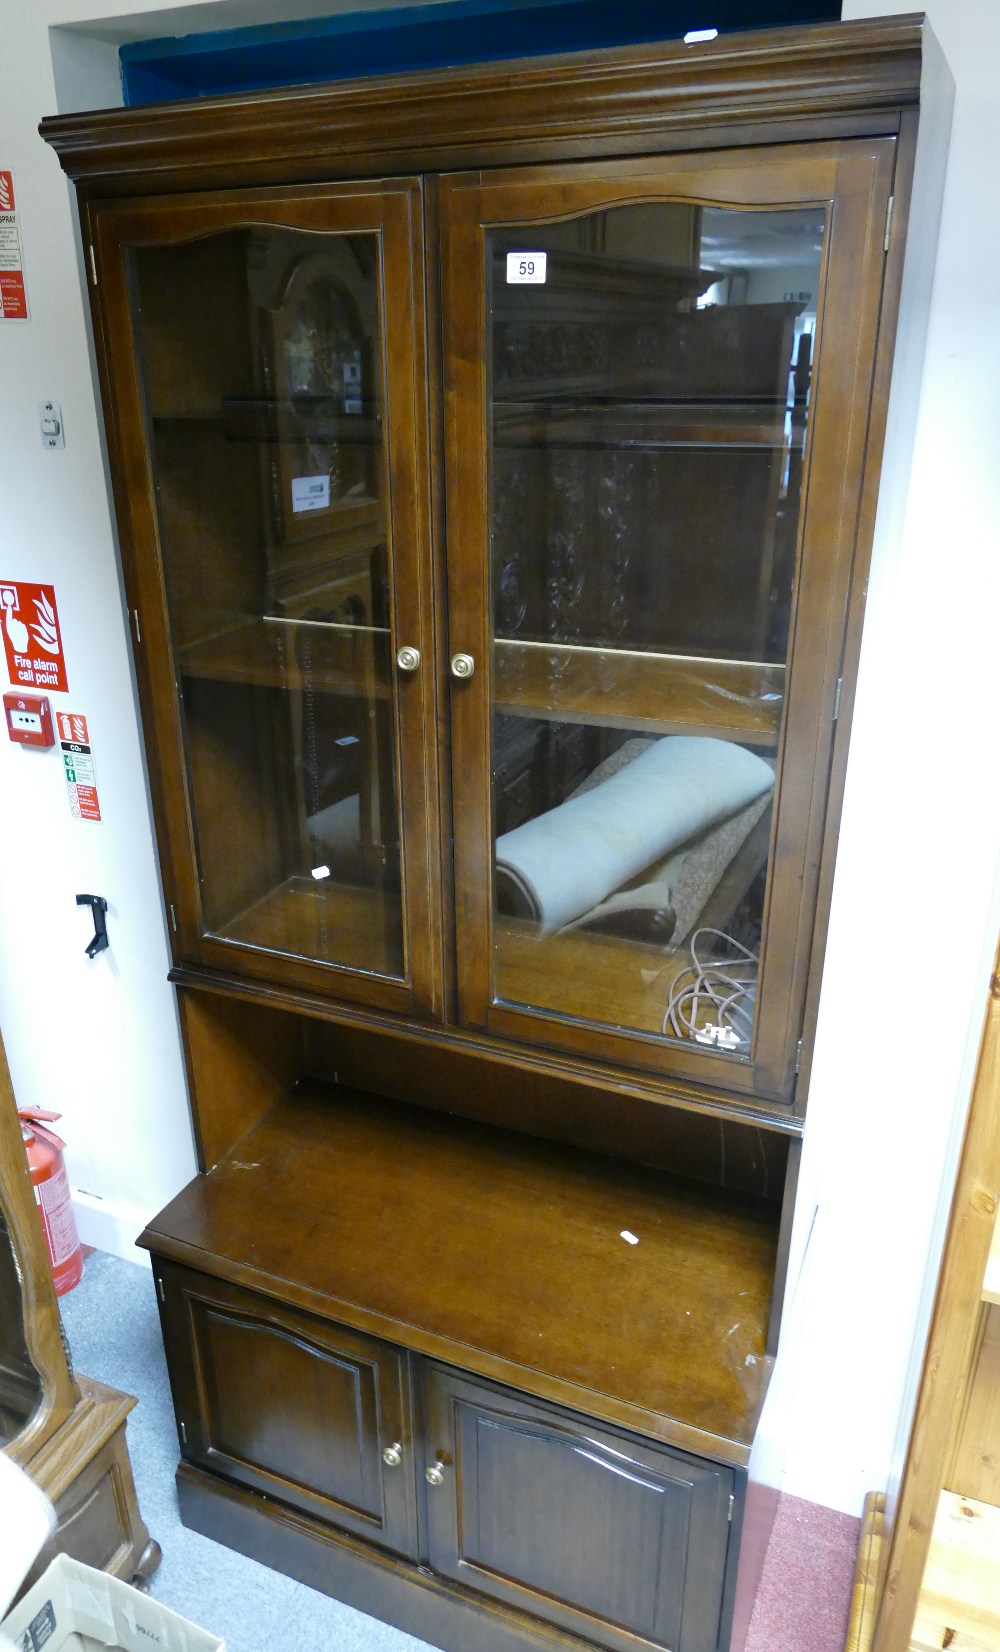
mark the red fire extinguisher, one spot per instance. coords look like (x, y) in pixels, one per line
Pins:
(52, 1196)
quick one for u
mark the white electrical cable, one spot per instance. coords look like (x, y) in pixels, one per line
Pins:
(712, 985)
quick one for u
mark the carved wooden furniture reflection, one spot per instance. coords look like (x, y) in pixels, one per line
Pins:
(67, 1432)
(38, 1392)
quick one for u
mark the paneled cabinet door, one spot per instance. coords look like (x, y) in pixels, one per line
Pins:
(601, 1533)
(311, 1414)
(658, 376)
(263, 365)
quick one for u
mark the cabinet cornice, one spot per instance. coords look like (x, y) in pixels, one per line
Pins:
(748, 87)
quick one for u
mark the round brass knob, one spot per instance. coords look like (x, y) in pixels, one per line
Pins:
(392, 1456)
(408, 659)
(462, 665)
(434, 1475)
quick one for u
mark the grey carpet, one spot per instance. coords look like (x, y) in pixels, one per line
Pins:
(114, 1334)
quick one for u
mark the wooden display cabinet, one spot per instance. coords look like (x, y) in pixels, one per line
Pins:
(495, 458)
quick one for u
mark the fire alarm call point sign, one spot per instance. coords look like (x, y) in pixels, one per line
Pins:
(31, 638)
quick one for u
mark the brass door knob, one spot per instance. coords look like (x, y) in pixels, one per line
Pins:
(392, 1456)
(462, 665)
(408, 659)
(434, 1475)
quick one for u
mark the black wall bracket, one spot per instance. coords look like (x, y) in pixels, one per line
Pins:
(98, 906)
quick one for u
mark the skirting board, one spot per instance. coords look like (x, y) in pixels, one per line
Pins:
(110, 1227)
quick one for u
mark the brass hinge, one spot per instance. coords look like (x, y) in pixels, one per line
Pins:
(135, 625)
(798, 1055)
(93, 264)
(836, 699)
(732, 1505)
(890, 203)
(184, 1432)
(159, 1289)
(173, 916)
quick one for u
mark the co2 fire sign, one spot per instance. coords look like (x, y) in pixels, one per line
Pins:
(13, 298)
(78, 761)
(31, 638)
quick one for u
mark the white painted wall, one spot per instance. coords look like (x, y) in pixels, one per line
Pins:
(913, 920)
(915, 912)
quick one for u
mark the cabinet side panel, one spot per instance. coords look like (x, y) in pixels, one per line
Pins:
(242, 1060)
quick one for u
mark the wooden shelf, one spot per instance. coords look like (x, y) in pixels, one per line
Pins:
(652, 693)
(295, 654)
(273, 422)
(501, 1253)
(959, 1605)
(602, 687)
(336, 923)
(594, 978)
(604, 426)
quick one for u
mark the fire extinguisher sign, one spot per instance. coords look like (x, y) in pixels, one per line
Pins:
(80, 766)
(13, 298)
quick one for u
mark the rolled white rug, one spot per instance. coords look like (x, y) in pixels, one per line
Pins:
(567, 860)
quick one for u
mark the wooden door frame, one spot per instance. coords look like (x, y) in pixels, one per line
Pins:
(950, 1345)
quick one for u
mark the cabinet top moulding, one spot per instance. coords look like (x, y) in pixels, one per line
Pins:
(825, 80)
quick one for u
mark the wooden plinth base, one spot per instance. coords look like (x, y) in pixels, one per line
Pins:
(85, 1472)
(409, 1597)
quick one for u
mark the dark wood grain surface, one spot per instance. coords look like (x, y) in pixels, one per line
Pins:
(500, 1253)
(620, 1568)
(857, 177)
(749, 87)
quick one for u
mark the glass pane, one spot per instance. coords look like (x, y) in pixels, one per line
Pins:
(20, 1384)
(649, 400)
(263, 376)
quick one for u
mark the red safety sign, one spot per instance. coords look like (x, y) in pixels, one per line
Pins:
(73, 726)
(80, 766)
(13, 298)
(31, 637)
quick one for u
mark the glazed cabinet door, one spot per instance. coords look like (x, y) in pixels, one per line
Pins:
(263, 363)
(658, 376)
(311, 1414)
(605, 1535)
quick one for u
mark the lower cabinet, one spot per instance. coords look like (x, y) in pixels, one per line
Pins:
(291, 1406)
(594, 1534)
(599, 1532)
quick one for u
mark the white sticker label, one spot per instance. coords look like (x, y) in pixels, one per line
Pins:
(526, 269)
(310, 493)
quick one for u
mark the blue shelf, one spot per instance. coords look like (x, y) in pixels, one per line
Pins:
(444, 35)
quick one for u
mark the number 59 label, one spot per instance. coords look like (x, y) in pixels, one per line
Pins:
(525, 269)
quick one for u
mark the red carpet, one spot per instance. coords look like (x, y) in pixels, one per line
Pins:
(804, 1599)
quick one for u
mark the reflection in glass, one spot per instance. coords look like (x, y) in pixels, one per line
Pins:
(263, 377)
(649, 404)
(20, 1384)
